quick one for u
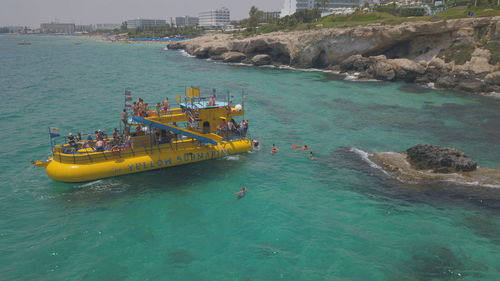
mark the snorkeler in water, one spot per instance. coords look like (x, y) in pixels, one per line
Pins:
(241, 193)
(274, 149)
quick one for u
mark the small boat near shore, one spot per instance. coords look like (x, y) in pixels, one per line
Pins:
(198, 128)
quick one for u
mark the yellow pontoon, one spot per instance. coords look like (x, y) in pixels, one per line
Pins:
(200, 128)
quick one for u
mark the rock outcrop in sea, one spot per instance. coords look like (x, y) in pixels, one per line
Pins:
(449, 53)
(431, 163)
(439, 159)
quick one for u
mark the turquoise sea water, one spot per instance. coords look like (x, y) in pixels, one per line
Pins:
(334, 218)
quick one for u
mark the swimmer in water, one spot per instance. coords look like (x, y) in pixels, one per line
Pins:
(274, 149)
(241, 193)
(305, 147)
(311, 155)
(255, 144)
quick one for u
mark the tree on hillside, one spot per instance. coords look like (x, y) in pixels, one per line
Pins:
(255, 16)
(123, 27)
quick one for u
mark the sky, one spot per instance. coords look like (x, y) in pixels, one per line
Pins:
(33, 12)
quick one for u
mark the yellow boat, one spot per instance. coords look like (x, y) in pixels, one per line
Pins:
(200, 128)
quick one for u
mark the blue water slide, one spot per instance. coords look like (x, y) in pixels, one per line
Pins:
(175, 129)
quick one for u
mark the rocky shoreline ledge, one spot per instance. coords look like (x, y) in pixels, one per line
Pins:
(430, 163)
(453, 54)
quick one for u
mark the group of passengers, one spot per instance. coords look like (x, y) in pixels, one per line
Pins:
(233, 127)
(141, 108)
(100, 142)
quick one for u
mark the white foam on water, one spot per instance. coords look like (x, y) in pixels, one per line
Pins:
(430, 85)
(186, 54)
(473, 183)
(352, 76)
(365, 156)
(91, 183)
(232, 158)
(493, 95)
(238, 64)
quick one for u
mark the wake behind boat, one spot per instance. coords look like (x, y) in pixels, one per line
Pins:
(198, 128)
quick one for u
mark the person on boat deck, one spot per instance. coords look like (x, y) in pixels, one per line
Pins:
(243, 191)
(115, 134)
(139, 131)
(230, 125)
(165, 105)
(158, 109)
(100, 134)
(127, 142)
(158, 137)
(71, 139)
(124, 116)
(79, 140)
(211, 102)
(134, 108)
(99, 145)
(245, 127)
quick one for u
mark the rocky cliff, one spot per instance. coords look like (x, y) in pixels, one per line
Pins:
(451, 54)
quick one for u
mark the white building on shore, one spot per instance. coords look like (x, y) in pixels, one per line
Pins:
(290, 7)
(186, 21)
(218, 18)
(140, 23)
(107, 26)
(57, 27)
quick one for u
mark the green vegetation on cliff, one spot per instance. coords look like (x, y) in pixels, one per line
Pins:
(164, 31)
(310, 19)
(459, 53)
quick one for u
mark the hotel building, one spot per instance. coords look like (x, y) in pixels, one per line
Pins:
(290, 7)
(218, 18)
(140, 23)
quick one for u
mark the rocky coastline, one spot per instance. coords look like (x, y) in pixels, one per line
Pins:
(454, 54)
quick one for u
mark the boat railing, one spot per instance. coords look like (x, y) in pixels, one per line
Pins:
(138, 147)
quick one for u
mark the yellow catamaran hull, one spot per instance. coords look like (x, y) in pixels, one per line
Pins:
(167, 155)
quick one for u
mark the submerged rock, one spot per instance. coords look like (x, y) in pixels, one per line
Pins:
(439, 159)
